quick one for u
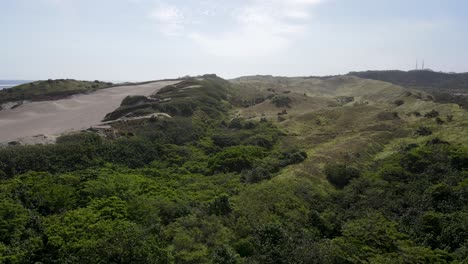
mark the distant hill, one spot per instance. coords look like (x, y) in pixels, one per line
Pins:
(446, 87)
(49, 90)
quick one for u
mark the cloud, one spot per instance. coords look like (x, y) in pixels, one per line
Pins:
(246, 28)
(245, 43)
(169, 19)
(261, 28)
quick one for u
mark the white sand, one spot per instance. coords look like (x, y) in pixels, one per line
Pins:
(72, 114)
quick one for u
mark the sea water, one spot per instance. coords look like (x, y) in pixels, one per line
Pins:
(11, 83)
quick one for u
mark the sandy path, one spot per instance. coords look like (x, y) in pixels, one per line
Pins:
(75, 113)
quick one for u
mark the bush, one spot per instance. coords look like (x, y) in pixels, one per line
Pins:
(220, 206)
(281, 101)
(133, 100)
(392, 172)
(225, 140)
(235, 123)
(437, 141)
(236, 159)
(340, 175)
(273, 243)
(250, 125)
(225, 255)
(432, 114)
(423, 131)
(439, 121)
(386, 115)
(261, 141)
(80, 138)
(256, 175)
(292, 157)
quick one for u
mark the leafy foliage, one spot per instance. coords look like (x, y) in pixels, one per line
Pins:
(236, 159)
(207, 94)
(340, 175)
(281, 101)
(204, 188)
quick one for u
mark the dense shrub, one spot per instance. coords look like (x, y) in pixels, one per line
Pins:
(256, 175)
(386, 115)
(226, 140)
(439, 121)
(281, 101)
(263, 141)
(236, 159)
(134, 100)
(292, 157)
(80, 138)
(431, 114)
(220, 206)
(235, 123)
(423, 131)
(340, 175)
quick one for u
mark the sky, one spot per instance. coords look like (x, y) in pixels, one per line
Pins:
(136, 40)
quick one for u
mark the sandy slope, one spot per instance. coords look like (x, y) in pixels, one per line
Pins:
(71, 114)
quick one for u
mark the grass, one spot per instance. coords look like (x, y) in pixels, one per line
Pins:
(208, 94)
(369, 128)
(445, 87)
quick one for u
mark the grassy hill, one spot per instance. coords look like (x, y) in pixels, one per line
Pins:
(347, 119)
(446, 87)
(49, 90)
(207, 93)
(257, 170)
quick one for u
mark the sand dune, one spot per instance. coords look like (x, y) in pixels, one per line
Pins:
(75, 113)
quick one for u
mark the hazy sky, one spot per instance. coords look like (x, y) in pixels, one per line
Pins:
(153, 39)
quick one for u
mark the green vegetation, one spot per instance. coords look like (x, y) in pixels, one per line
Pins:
(49, 90)
(340, 175)
(211, 186)
(182, 99)
(412, 209)
(446, 87)
(281, 101)
(432, 114)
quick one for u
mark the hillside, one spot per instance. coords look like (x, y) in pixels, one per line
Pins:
(44, 120)
(49, 90)
(446, 87)
(345, 118)
(258, 169)
(205, 93)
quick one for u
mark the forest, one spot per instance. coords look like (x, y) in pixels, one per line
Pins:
(202, 187)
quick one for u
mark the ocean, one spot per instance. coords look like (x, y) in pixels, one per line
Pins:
(11, 83)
